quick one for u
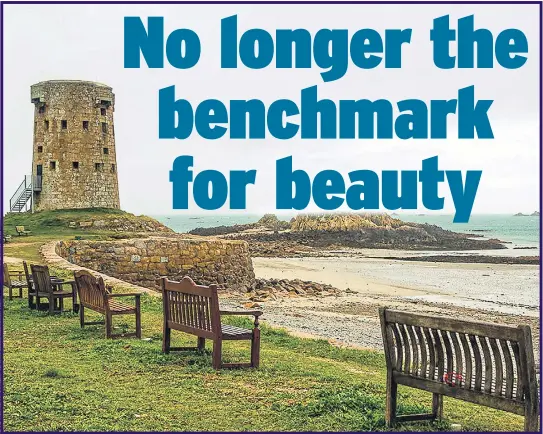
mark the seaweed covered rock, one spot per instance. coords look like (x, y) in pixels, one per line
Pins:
(343, 222)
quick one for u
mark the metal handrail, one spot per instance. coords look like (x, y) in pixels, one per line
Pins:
(27, 183)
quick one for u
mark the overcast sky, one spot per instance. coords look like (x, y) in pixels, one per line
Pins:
(44, 42)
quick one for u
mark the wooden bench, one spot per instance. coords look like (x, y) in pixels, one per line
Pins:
(194, 309)
(94, 295)
(21, 230)
(16, 283)
(487, 364)
(45, 286)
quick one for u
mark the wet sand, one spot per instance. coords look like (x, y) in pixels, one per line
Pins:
(506, 294)
(512, 289)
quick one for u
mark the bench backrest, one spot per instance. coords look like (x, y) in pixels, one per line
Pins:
(19, 229)
(27, 274)
(191, 308)
(41, 278)
(91, 291)
(496, 360)
(7, 280)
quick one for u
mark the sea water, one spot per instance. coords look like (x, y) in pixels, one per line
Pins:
(519, 231)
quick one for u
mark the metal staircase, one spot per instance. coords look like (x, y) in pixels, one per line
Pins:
(20, 200)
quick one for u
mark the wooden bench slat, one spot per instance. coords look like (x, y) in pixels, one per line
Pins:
(458, 362)
(431, 353)
(449, 370)
(414, 350)
(509, 378)
(478, 363)
(440, 355)
(398, 347)
(468, 358)
(406, 347)
(488, 364)
(499, 366)
(423, 352)
(520, 386)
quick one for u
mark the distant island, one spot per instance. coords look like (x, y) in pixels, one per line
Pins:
(534, 214)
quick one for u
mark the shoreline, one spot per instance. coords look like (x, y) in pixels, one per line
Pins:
(351, 318)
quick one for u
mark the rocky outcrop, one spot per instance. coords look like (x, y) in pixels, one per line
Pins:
(343, 222)
(416, 237)
(272, 289)
(535, 214)
(269, 222)
(274, 238)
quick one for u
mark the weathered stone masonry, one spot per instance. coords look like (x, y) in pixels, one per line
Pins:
(142, 261)
(74, 145)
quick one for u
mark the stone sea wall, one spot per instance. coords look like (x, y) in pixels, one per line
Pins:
(142, 261)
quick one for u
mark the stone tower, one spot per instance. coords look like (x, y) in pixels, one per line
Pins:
(74, 160)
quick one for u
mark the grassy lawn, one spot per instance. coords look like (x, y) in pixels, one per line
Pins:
(60, 377)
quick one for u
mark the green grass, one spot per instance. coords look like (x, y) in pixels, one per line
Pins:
(58, 376)
(56, 222)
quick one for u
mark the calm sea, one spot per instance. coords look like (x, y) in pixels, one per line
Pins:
(521, 231)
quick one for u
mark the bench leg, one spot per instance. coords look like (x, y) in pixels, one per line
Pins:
(138, 318)
(391, 400)
(531, 417)
(217, 353)
(108, 325)
(51, 304)
(10, 293)
(201, 344)
(81, 316)
(255, 349)
(166, 338)
(437, 406)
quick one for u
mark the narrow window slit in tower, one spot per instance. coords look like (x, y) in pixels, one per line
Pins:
(85, 125)
(64, 124)
(40, 149)
(75, 165)
(98, 167)
(106, 151)
(102, 111)
(41, 109)
(113, 168)
(52, 165)
(104, 127)
(46, 124)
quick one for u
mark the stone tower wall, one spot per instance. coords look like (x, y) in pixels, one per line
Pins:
(74, 143)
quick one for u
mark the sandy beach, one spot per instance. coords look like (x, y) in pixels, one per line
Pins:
(507, 294)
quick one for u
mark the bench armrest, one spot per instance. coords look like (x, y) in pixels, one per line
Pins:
(126, 294)
(255, 313)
